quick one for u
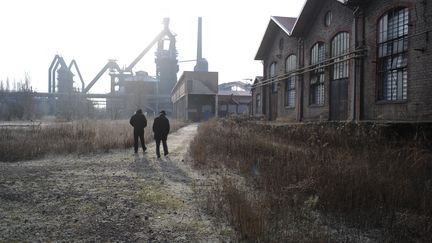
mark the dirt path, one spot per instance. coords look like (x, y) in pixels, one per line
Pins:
(107, 197)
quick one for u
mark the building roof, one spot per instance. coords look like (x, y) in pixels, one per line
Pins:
(235, 85)
(354, 2)
(305, 19)
(296, 27)
(276, 23)
(257, 80)
(310, 11)
(234, 93)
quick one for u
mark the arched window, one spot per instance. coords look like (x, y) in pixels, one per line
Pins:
(339, 49)
(317, 75)
(328, 18)
(258, 102)
(392, 55)
(290, 82)
(272, 75)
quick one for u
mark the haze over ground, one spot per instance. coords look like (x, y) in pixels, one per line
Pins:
(92, 32)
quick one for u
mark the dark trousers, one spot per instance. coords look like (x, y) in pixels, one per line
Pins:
(165, 147)
(140, 135)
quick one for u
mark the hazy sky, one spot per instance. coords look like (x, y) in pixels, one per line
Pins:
(93, 31)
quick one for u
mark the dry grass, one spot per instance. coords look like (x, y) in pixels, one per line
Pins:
(309, 177)
(81, 137)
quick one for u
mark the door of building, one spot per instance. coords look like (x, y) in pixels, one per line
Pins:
(264, 101)
(273, 106)
(339, 100)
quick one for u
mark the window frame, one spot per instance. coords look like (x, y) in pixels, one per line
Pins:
(340, 45)
(392, 55)
(272, 74)
(328, 18)
(258, 101)
(317, 76)
(290, 81)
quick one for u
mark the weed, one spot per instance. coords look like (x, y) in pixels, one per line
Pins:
(80, 137)
(365, 176)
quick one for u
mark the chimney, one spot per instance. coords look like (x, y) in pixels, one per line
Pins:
(201, 63)
(199, 42)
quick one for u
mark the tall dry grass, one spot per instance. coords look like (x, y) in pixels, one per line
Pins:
(365, 176)
(81, 137)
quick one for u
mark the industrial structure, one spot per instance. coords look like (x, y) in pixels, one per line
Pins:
(234, 98)
(194, 96)
(197, 96)
(129, 90)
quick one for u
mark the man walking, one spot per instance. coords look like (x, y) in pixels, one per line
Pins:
(161, 128)
(139, 122)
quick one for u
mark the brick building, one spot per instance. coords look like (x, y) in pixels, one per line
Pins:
(347, 61)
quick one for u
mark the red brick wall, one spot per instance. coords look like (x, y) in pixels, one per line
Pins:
(279, 56)
(418, 105)
(342, 21)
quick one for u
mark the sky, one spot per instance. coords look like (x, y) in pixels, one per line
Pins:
(93, 31)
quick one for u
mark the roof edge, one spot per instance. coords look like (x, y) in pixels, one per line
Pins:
(279, 25)
(274, 18)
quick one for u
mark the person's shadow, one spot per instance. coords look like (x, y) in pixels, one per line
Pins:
(142, 165)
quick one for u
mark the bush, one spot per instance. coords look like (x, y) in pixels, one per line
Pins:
(367, 175)
(81, 137)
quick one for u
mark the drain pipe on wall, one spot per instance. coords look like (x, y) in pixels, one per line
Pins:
(356, 66)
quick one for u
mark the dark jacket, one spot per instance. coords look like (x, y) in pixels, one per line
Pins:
(161, 127)
(139, 122)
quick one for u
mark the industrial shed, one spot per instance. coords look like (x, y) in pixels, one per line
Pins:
(194, 96)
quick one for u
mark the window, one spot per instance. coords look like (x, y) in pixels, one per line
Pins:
(317, 76)
(392, 55)
(258, 102)
(290, 91)
(340, 47)
(242, 109)
(281, 44)
(328, 18)
(232, 109)
(272, 75)
(223, 107)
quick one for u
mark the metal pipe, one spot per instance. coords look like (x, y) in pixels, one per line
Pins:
(323, 64)
(110, 65)
(354, 98)
(54, 61)
(163, 33)
(53, 76)
(73, 63)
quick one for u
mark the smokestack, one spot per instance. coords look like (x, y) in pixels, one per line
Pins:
(201, 65)
(199, 43)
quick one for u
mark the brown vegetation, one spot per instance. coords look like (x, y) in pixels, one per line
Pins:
(81, 137)
(327, 181)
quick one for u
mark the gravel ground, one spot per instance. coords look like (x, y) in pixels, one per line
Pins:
(113, 197)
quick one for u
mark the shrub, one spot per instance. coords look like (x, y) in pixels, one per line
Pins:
(368, 175)
(81, 137)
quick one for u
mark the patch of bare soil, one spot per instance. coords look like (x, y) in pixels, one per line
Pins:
(107, 197)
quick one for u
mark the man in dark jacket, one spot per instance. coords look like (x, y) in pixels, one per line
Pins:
(161, 128)
(139, 122)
